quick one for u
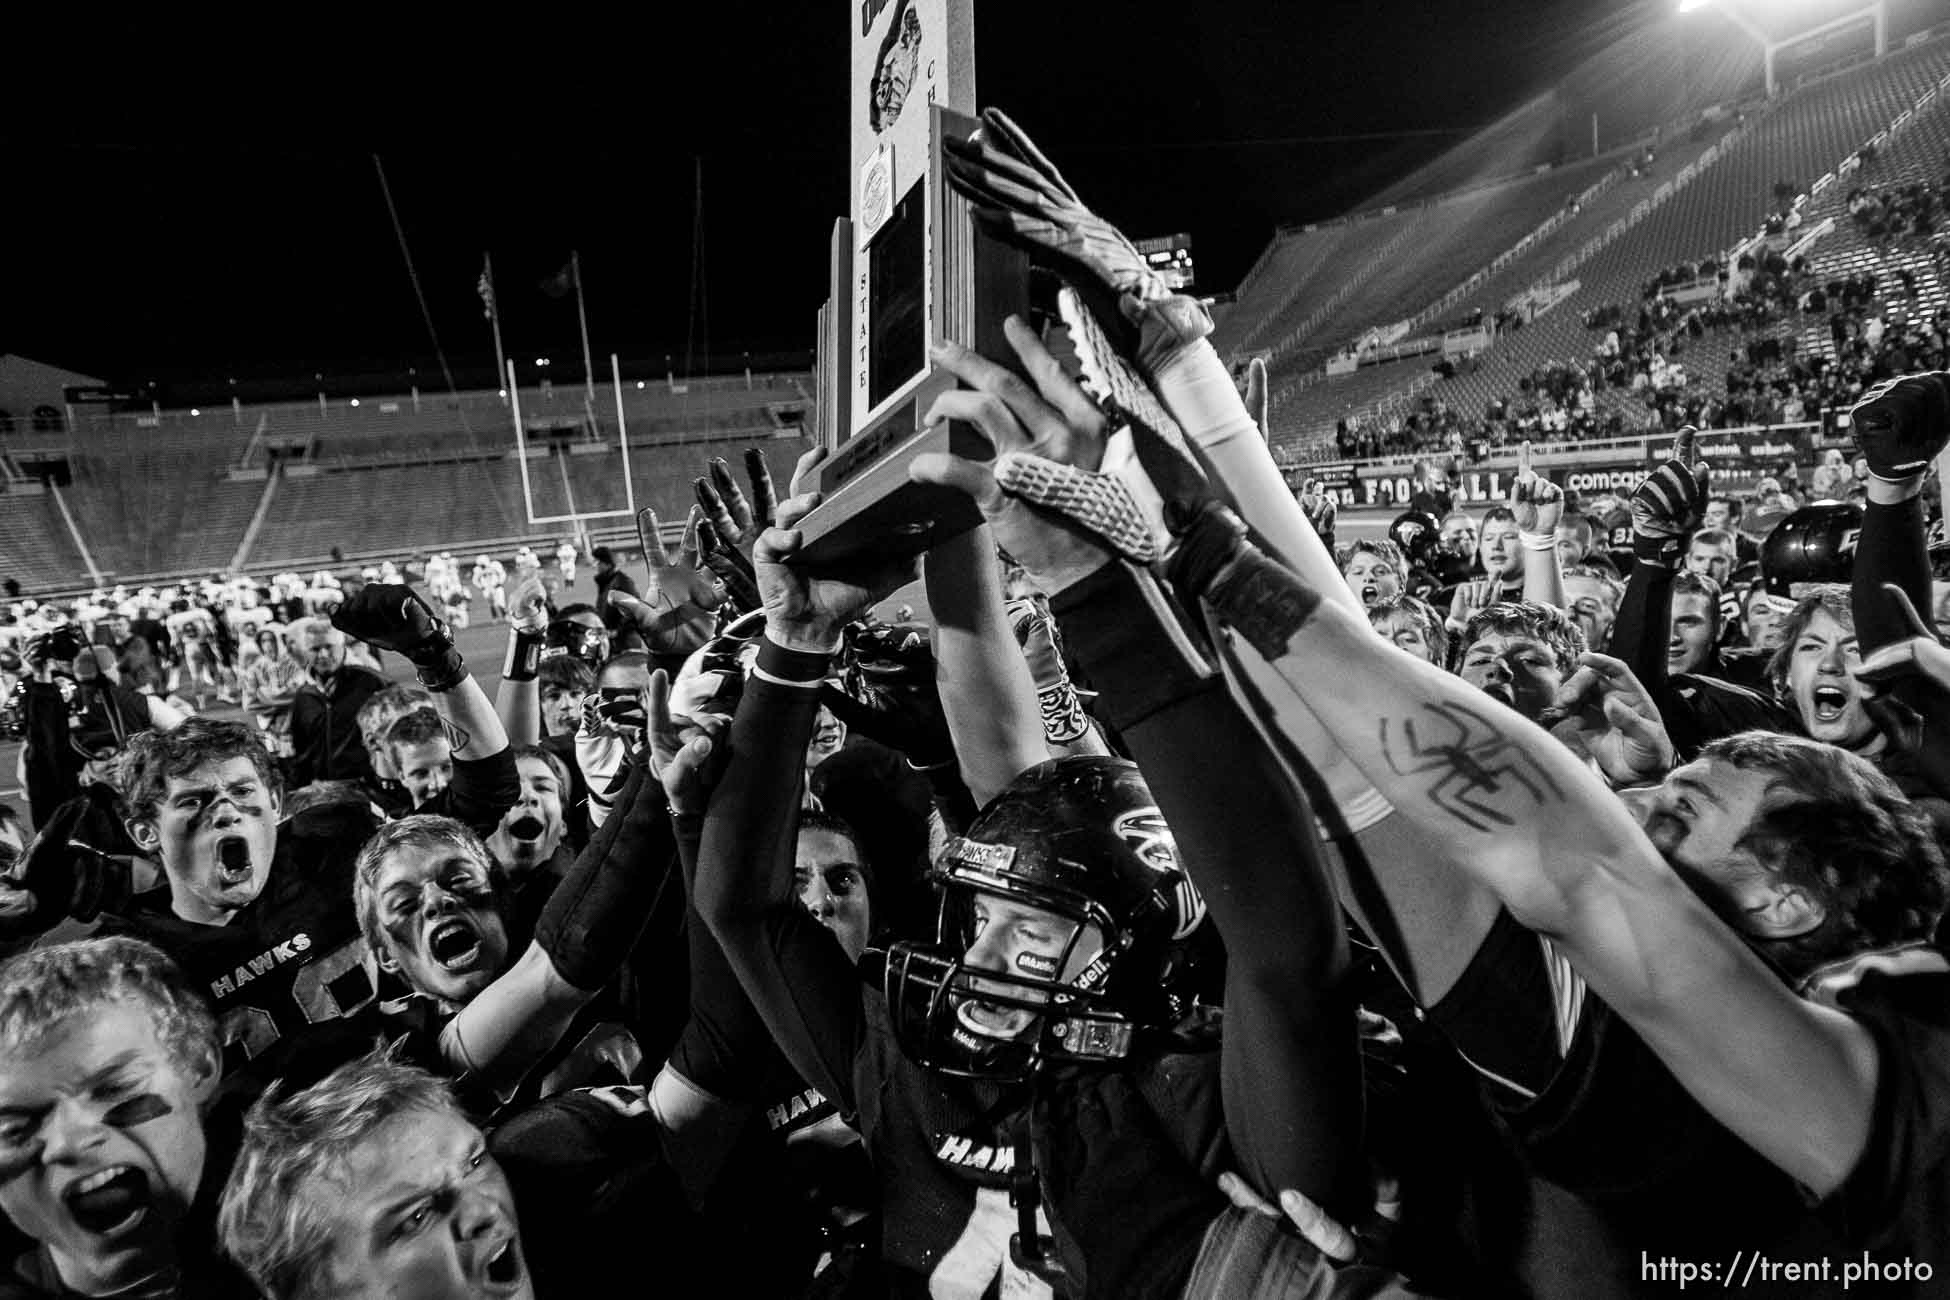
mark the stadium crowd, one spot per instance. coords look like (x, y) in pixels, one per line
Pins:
(1540, 902)
(1757, 308)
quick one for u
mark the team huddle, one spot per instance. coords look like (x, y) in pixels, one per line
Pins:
(1183, 908)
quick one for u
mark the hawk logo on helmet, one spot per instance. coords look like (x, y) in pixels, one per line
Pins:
(1150, 838)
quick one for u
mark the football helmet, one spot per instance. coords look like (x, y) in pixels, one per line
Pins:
(1081, 839)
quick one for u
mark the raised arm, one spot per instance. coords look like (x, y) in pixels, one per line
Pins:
(1538, 504)
(1291, 1078)
(1523, 816)
(986, 688)
(799, 978)
(518, 700)
(585, 934)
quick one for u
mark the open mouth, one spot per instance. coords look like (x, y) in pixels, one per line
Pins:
(454, 946)
(233, 860)
(526, 827)
(1829, 703)
(1501, 691)
(1370, 594)
(988, 1020)
(108, 1201)
(504, 1267)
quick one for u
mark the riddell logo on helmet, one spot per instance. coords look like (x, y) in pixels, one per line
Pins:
(1144, 829)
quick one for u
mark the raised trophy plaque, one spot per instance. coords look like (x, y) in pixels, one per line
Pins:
(912, 271)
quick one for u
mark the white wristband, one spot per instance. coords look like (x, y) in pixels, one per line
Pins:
(1537, 541)
(1364, 810)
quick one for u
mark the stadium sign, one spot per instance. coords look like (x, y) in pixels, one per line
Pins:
(1727, 446)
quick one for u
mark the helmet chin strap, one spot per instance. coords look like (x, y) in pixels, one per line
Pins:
(1029, 1248)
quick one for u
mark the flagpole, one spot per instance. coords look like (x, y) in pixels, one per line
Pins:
(494, 315)
(582, 315)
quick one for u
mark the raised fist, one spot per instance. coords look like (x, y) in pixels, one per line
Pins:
(1903, 424)
(390, 617)
(1669, 503)
(61, 646)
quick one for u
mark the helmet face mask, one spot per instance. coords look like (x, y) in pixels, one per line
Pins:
(1077, 874)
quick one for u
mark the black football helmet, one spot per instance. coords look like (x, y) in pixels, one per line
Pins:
(1815, 544)
(1418, 535)
(1082, 839)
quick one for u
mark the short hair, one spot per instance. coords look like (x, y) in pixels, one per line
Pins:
(45, 989)
(154, 757)
(540, 755)
(418, 831)
(1734, 505)
(275, 1215)
(603, 555)
(1837, 828)
(565, 673)
(1601, 573)
(1544, 623)
(1381, 547)
(625, 659)
(1461, 514)
(1698, 584)
(304, 627)
(1840, 604)
(1712, 537)
(388, 705)
(1415, 610)
(419, 727)
(1498, 514)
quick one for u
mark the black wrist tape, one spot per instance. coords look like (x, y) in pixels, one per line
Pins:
(524, 659)
(1206, 546)
(1262, 601)
(442, 669)
(792, 665)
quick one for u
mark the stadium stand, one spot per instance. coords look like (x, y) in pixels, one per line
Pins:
(1707, 188)
(173, 493)
(40, 553)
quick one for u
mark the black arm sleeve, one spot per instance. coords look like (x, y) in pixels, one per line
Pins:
(1292, 1073)
(595, 916)
(805, 989)
(1639, 634)
(1892, 549)
(725, 1047)
(482, 791)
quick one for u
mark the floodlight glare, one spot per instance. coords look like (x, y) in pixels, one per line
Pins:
(1687, 6)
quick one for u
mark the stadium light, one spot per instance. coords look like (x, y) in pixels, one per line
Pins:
(194, 411)
(355, 401)
(1844, 13)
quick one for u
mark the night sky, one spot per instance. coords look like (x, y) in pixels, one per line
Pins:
(198, 202)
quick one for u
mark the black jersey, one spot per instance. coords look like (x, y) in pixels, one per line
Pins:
(290, 963)
(1895, 1205)
(946, 1152)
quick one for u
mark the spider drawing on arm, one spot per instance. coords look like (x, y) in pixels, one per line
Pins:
(1472, 762)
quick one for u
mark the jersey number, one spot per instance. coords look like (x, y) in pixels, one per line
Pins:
(335, 986)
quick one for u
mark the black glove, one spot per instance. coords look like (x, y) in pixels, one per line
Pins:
(392, 617)
(1669, 504)
(1901, 425)
(733, 566)
(61, 646)
(62, 876)
(889, 692)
